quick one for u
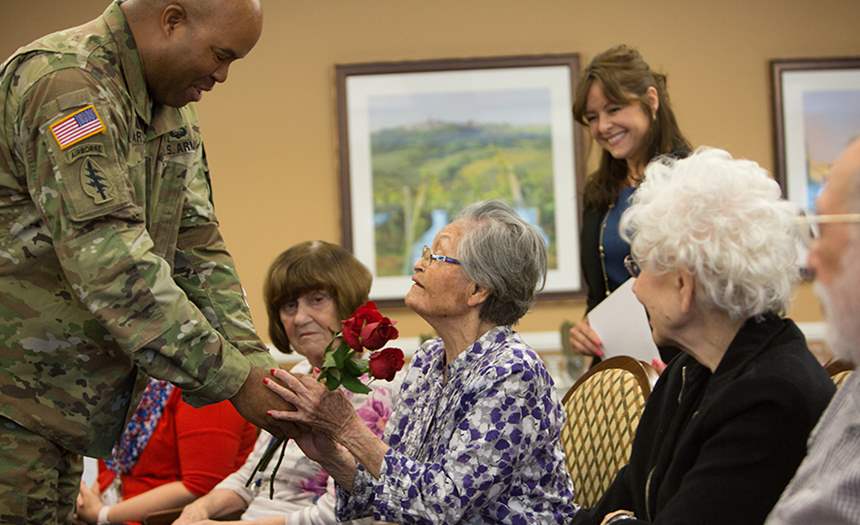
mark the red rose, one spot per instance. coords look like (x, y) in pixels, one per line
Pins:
(367, 328)
(352, 327)
(385, 363)
(375, 335)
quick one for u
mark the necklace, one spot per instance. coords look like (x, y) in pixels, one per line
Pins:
(602, 250)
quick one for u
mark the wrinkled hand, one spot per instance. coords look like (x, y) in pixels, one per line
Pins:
(88, 503)
(584, 340)
(253, 401)
(319, 446)
(314, 405)
(191, 514)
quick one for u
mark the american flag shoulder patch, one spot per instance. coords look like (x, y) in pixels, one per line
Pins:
(77, 126)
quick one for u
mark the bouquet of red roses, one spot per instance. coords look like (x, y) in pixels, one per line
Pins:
(345, 360)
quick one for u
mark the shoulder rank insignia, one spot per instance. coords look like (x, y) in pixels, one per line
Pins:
(74, 128)
(94, 183)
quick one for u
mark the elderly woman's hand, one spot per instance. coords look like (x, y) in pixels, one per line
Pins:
(584, 340)
(316, 406)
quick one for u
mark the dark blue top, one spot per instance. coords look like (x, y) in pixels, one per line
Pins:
(616, 248)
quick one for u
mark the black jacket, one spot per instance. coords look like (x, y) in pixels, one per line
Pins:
(720, 448)
(589, 256)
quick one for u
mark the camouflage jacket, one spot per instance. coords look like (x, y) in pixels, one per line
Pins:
(110, 255)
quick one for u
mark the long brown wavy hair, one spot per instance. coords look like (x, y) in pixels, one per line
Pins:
(625, 78)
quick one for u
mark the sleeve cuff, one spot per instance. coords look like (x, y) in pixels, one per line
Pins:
(356, 504)
(224, 382)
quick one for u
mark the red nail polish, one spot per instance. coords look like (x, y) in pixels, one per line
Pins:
(265, 380)
(269, 413)
(272, 371)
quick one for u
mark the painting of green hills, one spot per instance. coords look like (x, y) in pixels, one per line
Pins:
(424, 172)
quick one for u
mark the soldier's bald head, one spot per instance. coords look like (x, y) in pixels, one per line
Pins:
(186, 46)
(197, 7)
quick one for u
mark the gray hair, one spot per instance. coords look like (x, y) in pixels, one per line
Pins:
(505, 255)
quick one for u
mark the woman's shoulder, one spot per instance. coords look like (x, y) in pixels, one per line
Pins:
(426, 356)
(513, 357)
(783, 375)
(786, 356)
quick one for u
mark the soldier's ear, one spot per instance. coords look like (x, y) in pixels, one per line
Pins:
(172, 16)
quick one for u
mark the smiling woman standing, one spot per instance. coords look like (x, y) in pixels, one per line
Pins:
(625, 106)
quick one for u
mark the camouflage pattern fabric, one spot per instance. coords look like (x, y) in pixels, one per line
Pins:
(111, 261)
(38, 480)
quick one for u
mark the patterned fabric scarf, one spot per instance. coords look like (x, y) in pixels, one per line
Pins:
(140, 427)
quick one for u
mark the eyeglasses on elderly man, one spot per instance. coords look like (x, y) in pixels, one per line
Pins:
(809, 231)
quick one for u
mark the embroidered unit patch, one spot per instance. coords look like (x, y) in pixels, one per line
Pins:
(94, 183)
(74, 128)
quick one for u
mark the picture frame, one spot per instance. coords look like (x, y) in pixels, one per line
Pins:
(420, 140)
(816, 111)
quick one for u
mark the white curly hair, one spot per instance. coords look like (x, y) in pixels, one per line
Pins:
(723, 220)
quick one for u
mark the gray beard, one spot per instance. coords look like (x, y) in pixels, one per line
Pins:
(841, 304)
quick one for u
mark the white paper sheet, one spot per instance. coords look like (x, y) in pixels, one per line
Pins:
(622, 325)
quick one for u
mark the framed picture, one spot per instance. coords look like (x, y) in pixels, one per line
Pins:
(419, 141)
(816, 114)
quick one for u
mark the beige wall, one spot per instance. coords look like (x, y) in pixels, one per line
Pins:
(271, 130)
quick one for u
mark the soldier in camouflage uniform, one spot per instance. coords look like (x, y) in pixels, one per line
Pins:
(111, 263)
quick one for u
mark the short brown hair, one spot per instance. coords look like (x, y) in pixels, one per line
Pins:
(311, 266)
(622, 73)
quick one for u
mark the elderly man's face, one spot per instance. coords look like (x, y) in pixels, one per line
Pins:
(834, 258)
(441, 289)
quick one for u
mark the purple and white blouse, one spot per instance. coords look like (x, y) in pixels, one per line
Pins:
(479, 447)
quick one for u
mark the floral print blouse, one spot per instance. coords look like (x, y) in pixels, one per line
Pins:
(481, 446)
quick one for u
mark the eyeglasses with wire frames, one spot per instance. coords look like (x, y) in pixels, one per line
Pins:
(808, 232)
(808, 224)
(428, 257)
(632, 266)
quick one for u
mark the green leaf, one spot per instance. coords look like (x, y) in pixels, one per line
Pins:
(356, 367)
(340, 356)
(329, 360)
(332, 382)
(354, 385)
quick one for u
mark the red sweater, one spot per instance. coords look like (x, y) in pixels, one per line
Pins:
(198, 446)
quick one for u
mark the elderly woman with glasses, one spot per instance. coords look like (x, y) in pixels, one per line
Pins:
(474, 435)
(714, 253)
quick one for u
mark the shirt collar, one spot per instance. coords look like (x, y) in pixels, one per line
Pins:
(129, 59)
(492, 338)
(754, 337)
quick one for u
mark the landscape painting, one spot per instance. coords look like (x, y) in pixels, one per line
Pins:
(816, 115)
(432, 154)
(424, 145)
(831, 120)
